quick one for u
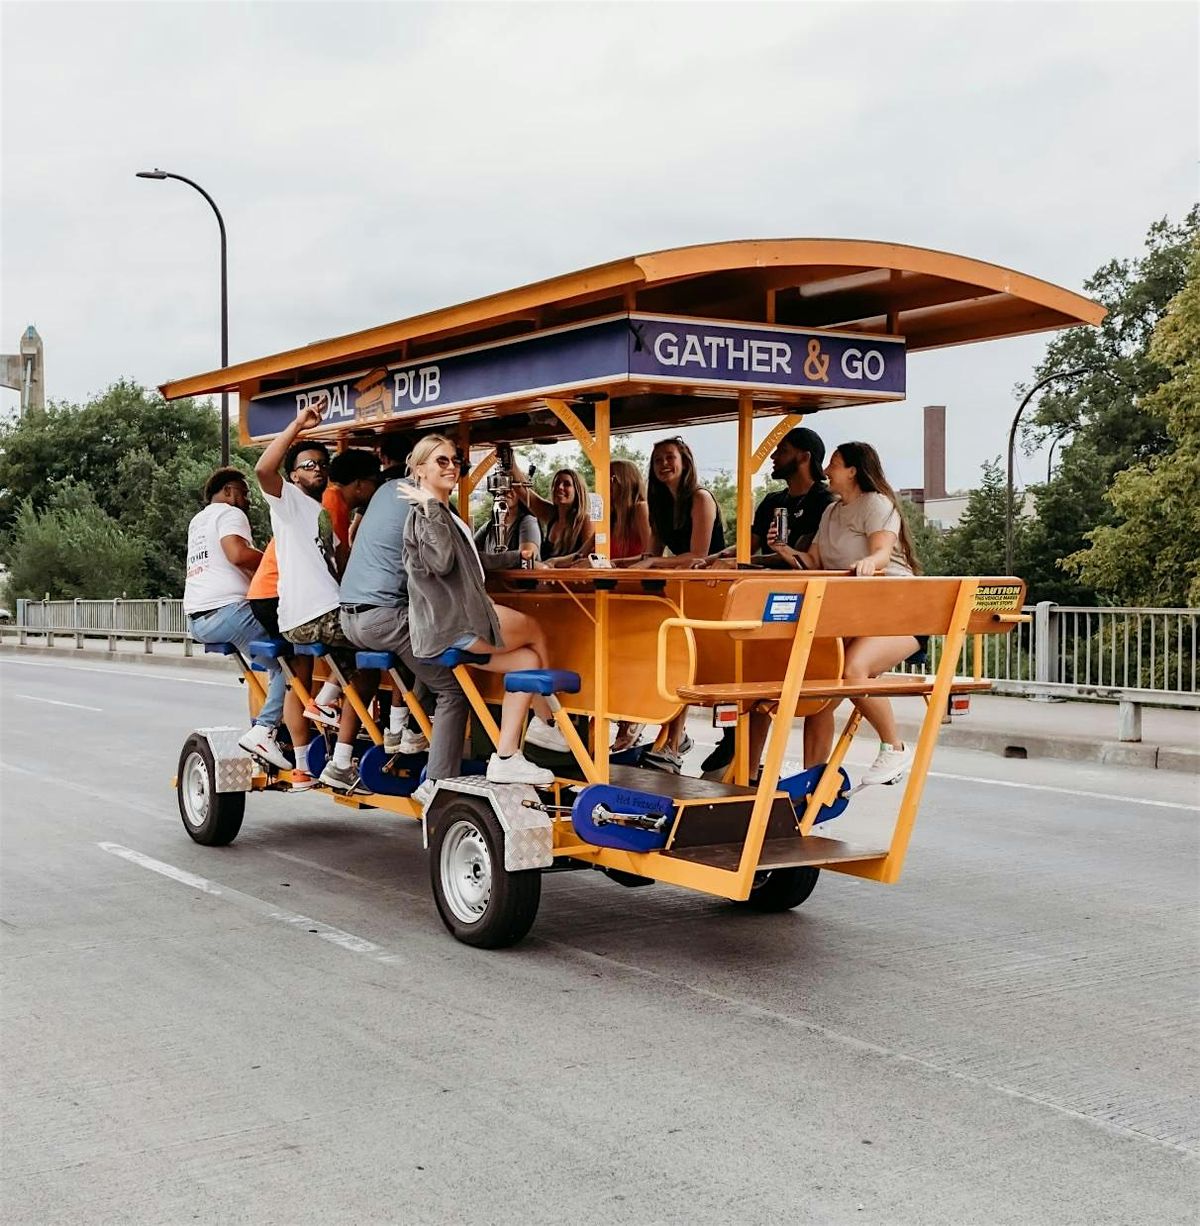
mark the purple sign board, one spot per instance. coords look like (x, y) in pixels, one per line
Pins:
(638, 349)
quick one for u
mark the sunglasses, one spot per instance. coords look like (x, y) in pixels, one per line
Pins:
(442, 461)
(313, 466)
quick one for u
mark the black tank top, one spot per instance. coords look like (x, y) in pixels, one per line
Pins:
(679, 539)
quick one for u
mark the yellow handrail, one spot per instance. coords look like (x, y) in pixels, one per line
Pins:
(689, 624)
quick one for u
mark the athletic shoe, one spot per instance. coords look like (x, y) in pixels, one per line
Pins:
(340, 778)
(722, 755)
(892, 763)
(546, 736)
(517, 769)
(423, 794)
(321, 715)
(627, 736)
(302, 781)
(664, 759)
(685, 745)
(260, 742)
(413, 740)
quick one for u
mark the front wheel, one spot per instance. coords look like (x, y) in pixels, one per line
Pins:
(479, 900)
(210, 817)
(781, 889)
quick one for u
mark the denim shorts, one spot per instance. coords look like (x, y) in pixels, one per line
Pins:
(464, 641)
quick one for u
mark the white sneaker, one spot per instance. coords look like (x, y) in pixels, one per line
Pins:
(423, 793)
(321, 715)
(260, 741)
(517, 769)
(546, 736)
(892, 763)
(413, 740)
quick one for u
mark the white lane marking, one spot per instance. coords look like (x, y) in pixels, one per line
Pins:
(1045, 787)
(337, 936)
(115, 672)
(57, 702)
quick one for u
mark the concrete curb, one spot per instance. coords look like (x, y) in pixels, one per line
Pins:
(138, 659)
(1017, 744)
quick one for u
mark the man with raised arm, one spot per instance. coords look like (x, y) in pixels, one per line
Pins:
(309, 603)
(221, 558)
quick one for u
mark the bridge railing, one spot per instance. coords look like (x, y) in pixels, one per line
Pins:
(1131, 656)
(150, 621)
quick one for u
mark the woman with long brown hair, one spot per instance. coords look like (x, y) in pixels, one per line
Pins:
(629, 513)
(865, 533)
(684, 517)
(566, 525)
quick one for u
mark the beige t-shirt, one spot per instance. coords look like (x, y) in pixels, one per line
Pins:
(846, 527)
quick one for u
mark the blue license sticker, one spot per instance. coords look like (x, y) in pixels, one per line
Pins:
(783, 607)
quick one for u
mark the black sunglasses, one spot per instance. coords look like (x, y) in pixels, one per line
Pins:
(312, 465)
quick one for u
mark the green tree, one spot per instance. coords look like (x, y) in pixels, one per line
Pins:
(1114, 418)
(73, 548)
(143, 459)
(1150, 553)
(926, 538)
(976, 545)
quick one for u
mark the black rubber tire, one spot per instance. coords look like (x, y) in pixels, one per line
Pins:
(210, 817)
(781, 889)
(466, 829)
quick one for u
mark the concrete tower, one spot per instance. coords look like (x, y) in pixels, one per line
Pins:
(25, 371)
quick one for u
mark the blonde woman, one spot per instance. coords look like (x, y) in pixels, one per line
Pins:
(449, 607)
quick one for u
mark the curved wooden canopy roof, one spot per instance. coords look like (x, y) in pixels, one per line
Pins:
(931, 298)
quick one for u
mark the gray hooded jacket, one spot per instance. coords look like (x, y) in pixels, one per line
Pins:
(446, 596)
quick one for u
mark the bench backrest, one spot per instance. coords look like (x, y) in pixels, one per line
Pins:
(877, 607)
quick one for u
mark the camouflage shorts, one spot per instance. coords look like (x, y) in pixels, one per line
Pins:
(326, 629)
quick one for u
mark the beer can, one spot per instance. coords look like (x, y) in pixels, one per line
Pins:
(526, 562)
(781, 525)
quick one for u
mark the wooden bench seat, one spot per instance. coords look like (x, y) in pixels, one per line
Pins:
(766, 691)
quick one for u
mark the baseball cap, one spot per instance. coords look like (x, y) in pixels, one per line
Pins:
(804, 439)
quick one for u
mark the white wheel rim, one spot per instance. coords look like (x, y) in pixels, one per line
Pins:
(193, 788)
(466, 872)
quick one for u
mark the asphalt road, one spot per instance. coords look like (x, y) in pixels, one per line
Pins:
(282, 1031)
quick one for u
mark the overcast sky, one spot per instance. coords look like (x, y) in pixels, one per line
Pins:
(377, 160)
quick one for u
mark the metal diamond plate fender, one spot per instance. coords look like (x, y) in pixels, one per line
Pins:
(528, 835)
(234, 766)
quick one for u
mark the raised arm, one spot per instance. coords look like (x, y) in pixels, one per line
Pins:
(267, 469)
(527, 496)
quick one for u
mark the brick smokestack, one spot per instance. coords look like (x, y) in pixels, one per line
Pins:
(935, 451)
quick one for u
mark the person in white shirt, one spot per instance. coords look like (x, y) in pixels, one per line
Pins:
(309, 599)
(221, 559)
(865, 533)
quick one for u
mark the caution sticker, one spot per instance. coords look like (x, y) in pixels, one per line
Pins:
(998, 598)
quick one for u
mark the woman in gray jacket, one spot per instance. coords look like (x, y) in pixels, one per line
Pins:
(449, 607)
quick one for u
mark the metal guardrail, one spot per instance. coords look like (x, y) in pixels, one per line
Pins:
(150, 621)
(1131, 656)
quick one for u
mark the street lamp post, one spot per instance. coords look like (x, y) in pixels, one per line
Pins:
(166, 174)
(1012, 442)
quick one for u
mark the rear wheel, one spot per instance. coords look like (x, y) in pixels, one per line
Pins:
(479, 900)
(210, 817)
(781, 889)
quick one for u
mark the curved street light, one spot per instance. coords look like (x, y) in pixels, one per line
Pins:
(166, 174)
(1012, 442)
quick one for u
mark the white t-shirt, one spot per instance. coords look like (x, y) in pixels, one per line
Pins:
(846, 527)
(308, 585)
(212, 579)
